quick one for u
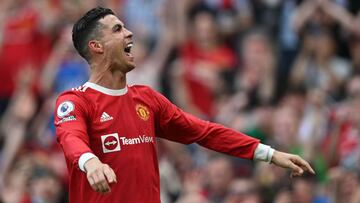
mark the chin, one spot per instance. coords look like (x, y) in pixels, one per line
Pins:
(130, 67)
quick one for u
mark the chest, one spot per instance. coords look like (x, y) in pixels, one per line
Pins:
(121, 125)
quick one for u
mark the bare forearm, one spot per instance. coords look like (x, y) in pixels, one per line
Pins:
(303, 14)
(14, 136)
(340, 14)
(60, 49)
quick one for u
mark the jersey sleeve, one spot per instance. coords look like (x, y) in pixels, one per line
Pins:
(176, 125)
(71, 116)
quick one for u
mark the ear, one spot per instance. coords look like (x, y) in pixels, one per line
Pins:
(95, 46)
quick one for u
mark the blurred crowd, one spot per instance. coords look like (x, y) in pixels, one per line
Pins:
(286, 72)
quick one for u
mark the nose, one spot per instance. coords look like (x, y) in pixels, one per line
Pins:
(129, 34)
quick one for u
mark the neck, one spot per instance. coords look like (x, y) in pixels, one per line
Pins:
(107, 77)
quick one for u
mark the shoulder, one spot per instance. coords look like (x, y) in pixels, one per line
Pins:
(73, 94)
(145, 92)
(142, 89)
(75, 97)
(148, 94)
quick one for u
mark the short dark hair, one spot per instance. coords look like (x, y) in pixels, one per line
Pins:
(201, 8)
(87, 28)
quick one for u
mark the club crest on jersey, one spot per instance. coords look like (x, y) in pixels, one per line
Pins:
(143, 112)
(65, 108)
(110, 143)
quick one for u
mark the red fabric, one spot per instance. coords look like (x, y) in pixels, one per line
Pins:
(200, 94)
(26, 198)
(347, 140)
(140, 112)
(23, 46)
(227, 4)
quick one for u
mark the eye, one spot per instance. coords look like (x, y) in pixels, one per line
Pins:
(117, 28)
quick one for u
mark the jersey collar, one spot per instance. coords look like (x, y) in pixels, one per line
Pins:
(112, 92)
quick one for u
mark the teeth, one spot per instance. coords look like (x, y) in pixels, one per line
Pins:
(128, 47)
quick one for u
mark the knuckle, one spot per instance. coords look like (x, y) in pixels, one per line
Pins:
(105, 167)
(90, 180)
(101, 179)
(105, 170)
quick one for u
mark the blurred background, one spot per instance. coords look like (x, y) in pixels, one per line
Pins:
(284, 71)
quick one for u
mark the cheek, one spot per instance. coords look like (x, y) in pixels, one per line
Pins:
(116, 52)
(113, 45)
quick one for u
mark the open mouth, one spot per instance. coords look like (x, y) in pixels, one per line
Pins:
(128, 47)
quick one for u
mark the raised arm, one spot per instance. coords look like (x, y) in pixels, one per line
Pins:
(340, 14)
(304, 12)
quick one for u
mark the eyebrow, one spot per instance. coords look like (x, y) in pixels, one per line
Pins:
(116, 27)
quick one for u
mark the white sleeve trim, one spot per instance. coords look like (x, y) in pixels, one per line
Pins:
(263, 153)
(84, 158)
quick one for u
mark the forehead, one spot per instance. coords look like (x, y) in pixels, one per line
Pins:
(110, 21)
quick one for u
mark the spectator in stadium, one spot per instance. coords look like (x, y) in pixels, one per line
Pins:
(342, 140)
(13, 124)
(318, 66)
(257, 71)
(285, 125)
(243, 190)
(16, 181)
(254, 84)
(44, 186)
(313, 125)
(304, 191)
(219, 173)
(344, 185)
(151, 59)
(24, 37)
(202, 58)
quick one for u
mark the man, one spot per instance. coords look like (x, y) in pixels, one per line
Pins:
(108, 129)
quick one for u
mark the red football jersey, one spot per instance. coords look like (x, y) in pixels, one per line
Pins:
(120, 127)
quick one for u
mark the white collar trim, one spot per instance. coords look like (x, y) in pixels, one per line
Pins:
(112, 92)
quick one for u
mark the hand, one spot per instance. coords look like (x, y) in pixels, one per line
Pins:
(293, 162)
(99, 175)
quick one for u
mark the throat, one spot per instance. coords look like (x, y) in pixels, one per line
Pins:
(109, 79)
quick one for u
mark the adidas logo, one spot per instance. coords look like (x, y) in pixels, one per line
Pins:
(105, 117)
